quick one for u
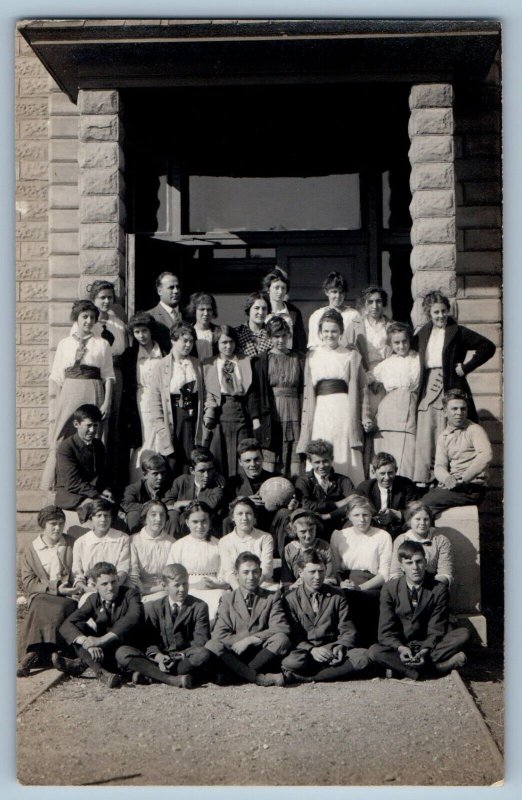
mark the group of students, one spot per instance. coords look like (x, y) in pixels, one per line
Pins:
(196, 431)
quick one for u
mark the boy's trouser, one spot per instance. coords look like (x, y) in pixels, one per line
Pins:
(448, 646)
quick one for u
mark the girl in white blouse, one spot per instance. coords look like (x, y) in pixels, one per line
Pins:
(82, 372)
(397, 412)
(199, 554)
(362, 556)
(149, 551)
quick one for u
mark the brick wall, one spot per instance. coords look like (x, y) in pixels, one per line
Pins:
(32, 274)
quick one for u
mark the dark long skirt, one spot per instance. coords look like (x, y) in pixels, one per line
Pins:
(45, 615)
(185, 421)
(234, 425)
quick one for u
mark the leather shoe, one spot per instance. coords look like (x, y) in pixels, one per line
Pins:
(70, 666)
(30, 661)
(270, 679)
(455, 662)
(110, 679)
(138, 679)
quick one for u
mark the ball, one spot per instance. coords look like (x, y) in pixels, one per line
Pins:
(276, 493)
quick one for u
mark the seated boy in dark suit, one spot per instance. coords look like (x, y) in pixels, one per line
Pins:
(115, 644)
(251, 630)
(414, 634)
(323, 490)
(177, 626)
(322, 632)
(203, 484)
(81, 463)
(153, 486)
(388, 492)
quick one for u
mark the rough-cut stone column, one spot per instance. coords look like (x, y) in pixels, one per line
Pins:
(102, 211)
(432, 182)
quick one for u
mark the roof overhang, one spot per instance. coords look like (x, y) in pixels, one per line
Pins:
(124, 54)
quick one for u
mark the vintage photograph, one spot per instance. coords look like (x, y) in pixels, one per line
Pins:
(259, 402)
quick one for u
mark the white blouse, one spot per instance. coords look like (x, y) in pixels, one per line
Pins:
(88, 549)
(148, 557)
(258, 542)
(97, 354)
(237, 387)
(48, 556)
(434, 348)
(371, 551)
(398, 372)
(326, 362)
(348, 314)
(118, 329)
(145, 365)
(376, 339)
(182, 373)
(198, 556)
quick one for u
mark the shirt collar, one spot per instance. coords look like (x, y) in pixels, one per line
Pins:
(412, 586)
(146, 535)
(143, 354)
(452, 428)
(39, 543)
(172, 312)
(174, 603)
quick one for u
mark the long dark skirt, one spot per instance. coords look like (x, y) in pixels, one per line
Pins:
(44, 617)
(234, 425)
(185, 420)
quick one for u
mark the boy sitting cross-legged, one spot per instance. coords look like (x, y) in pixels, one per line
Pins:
(414, 634)
(177, 626)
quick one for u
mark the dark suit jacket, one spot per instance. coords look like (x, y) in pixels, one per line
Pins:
(332, 625)
(233, 622)
(81, 471)
(458, 340)
(127, 618)
(190, 628)
(163, 324)
(299, 337)
(265, 398)
(313, 497)
(403, 492)
(134, 498)
(184, 488)
(399, 624)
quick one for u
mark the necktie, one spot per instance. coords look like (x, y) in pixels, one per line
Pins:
(106, 334)
(108, 611)
(174, 612)
(228, 373)
(388, 499)
(250, 598)
(82, 347)
(414, 597)
(315, 602)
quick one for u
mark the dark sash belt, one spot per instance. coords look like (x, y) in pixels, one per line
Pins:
(83, 371)
(331, 386)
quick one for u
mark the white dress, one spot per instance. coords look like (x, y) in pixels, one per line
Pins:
(144, 366)
(148, 556)
(331, 417)
(348, 314)
(369, 552)
(201, 559)
(397, 412)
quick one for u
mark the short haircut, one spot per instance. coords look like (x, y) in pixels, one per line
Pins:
(241, 501)
(357, 501)
(247, 445)
(372, 289)
(49, 513)
(173, 571)
(399, 327)
(409, 548)
(381, 459)
(201, 455)
(312, 556)
(197, 299)
(434, 297)
(83, 305)
(320, 447)
(244, 558)
(331, 315)
(251, 299)
(334, 280)
(226, 330)
(181, 329)
(141, 319)
(277, 326)
(160, 277)
(153, 461)
(414, 507)
(98, 286)
(102, 504)
(102, 568)
(87, 411)
(454, 394)
(276, 274)
(150, 504)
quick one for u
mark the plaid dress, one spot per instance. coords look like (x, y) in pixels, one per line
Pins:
(251, 344)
